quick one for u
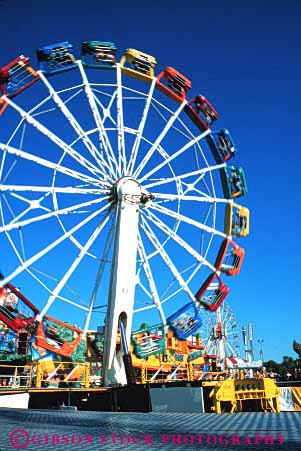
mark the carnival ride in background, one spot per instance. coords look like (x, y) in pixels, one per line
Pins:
(115, 190)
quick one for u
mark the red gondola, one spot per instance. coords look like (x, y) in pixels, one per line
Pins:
(230, 258)
(172, 83)
(201, 112)
(57, 336)
(16, 311)
(56, 58)
(15, 77)
(212, 293)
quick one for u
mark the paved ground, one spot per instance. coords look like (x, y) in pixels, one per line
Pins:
(56, 430)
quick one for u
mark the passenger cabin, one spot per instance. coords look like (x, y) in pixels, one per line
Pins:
(222, 145)
(57, 336)
(172, 83)
(98, 54)
(149, 341)
(138, 65)
(16, 311)
(201, 112)
(212, 293)
(56, 58)
(237, 220)
(230, 258)
(185, 321)
(15, 77)
(233, 182)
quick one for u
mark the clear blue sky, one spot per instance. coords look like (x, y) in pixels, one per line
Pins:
(245, 56)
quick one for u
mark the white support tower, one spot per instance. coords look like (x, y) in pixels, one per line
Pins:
(123, 278)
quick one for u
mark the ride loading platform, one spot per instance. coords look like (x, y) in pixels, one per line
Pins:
(53, 385)
(172, 397)
(227, 395)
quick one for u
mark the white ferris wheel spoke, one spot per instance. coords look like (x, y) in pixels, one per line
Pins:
(51, 246)
(4, 177)
(32, 205)
(75, 304)
(52, 189)
(48, 164)
(163, 133)
(174, 155)
(136, 145)
(145, 290)
(21, 125)
(54, 138)
(200, 172)
(187, 133)
(205, 198)
(120, 126)
(177, 239)
(55, 213)
(72, 268)
(107, 111)
(150, 278)
(187, 220)
(188, 187)
(75, 125)
(35, 271)
(100, 272)
(103, 137)
(166, 258)
(19, 230)
(20, 258)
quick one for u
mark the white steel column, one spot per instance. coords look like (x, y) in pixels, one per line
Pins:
(221, 340)
(123, 278)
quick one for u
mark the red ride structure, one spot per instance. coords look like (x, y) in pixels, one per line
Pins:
(16, 311)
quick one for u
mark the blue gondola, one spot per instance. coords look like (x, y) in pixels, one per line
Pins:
(222, 145)
(56, 58)
(185, 321)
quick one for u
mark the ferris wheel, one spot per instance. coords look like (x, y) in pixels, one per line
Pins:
(221, 335)
(116, 196)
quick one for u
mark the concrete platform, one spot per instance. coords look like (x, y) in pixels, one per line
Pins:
(93, 431)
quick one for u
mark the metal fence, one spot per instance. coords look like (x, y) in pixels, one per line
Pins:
(16, 376)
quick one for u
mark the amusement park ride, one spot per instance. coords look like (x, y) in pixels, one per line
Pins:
(115, 188)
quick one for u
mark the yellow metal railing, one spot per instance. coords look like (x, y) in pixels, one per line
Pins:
(54, 374)
(164, 373)
(182, 371)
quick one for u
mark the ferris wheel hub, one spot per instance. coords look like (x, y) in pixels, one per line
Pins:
(129, 189)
